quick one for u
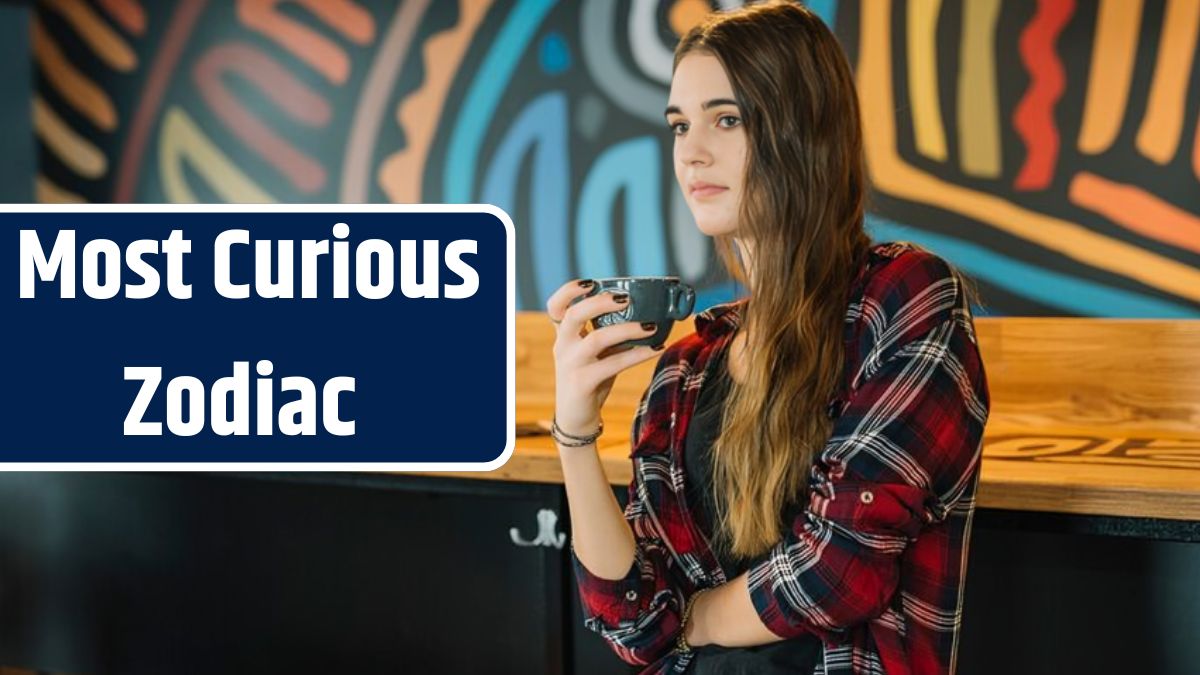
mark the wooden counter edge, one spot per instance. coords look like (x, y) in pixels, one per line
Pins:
(542, 466)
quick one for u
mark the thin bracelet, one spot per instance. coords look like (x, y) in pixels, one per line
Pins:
(681, 644)
(570, 440)
(559, 436)
(554, 424)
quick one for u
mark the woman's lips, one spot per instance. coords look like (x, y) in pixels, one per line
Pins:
(707, 190)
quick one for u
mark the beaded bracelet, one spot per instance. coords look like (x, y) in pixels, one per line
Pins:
(681, 643)
(572, 441)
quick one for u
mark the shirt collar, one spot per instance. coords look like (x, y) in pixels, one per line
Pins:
(723, 318)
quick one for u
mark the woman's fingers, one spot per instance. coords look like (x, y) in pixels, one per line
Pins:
(579, 314)
(612, 365)
(557, 304)
(598, 340)
(603, 344)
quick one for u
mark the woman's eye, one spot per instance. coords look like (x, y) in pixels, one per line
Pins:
(678, 128)
(732, 121)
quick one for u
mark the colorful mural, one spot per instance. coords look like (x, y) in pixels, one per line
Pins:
(1047, 147)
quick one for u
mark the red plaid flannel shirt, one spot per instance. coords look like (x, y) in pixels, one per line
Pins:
(874, 565)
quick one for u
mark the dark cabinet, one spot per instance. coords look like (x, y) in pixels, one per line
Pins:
(182, 573)
(332, 573)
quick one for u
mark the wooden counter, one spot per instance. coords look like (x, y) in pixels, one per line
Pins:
(1089, 416)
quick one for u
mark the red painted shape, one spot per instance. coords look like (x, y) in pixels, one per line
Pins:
(1034, 116)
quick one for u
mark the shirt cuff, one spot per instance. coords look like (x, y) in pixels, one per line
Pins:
(613, 601)
(772, 615)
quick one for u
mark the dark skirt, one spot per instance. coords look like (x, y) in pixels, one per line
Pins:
(798, 655)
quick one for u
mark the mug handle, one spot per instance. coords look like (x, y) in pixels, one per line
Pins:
(683, 299)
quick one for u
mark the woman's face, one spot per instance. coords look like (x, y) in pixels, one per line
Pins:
(710, 142)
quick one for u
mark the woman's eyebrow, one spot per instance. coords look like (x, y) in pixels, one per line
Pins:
(703, 106)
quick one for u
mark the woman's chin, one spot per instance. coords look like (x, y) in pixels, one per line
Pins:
(714, 229)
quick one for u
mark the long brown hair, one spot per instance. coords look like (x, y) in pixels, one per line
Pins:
(802, 209)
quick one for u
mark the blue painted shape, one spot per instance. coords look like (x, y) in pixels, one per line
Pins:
(718, 294)
(554, 56)
(1078, 296)
(542, 128)
(479, 106)
(826, 9)
(631, 167)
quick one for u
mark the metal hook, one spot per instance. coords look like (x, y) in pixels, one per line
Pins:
(547, 532)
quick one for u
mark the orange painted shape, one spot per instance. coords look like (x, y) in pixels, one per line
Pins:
(128, 13)
(686, 13)
(322, 54)
(1162, 125)
(399, 175)
(74, 87)
(1136, 210)
(96, 33)
(1196, 151)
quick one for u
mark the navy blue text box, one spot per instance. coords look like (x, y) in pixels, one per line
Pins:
(433, 377)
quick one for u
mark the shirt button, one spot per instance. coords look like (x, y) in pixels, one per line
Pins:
(631, 595)
(866, 497)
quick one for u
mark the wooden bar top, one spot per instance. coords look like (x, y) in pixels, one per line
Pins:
(1089, 416)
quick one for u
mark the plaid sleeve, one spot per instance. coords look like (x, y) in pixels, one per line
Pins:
(902, 453)
(638, 615)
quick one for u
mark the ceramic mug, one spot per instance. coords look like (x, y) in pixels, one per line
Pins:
(658, 300)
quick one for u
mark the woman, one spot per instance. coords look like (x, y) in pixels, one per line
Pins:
(805, 463)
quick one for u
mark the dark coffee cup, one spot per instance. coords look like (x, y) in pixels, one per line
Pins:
(658, 300)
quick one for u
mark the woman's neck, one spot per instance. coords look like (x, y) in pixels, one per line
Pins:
(746, 253)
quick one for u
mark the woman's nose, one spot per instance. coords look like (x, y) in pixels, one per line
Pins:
(693, 148)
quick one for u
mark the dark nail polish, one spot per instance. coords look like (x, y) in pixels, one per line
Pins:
(659, 348)
(621, 297)
(586, 283)
(649, 325)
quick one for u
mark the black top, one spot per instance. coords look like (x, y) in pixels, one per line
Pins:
(798, 655)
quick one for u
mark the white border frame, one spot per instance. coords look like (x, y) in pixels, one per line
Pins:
(510, 333)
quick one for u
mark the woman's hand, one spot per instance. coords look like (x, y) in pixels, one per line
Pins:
(725, 615)
(584, 364)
